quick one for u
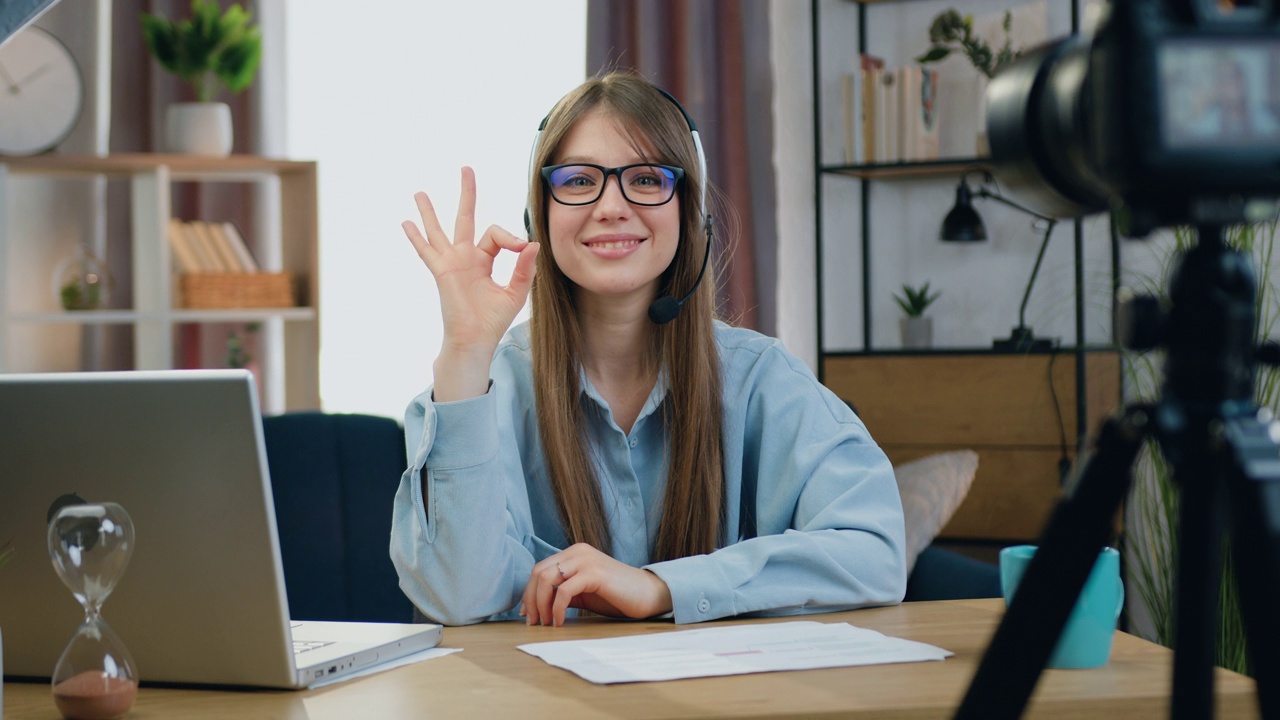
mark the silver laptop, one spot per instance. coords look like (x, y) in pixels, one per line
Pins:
(203, 598)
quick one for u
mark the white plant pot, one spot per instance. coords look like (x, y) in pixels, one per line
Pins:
(198, 128)
(917, 332)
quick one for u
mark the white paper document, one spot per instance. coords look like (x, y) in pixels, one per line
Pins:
(731, 650)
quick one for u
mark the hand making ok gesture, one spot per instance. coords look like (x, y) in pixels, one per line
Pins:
(477, 310)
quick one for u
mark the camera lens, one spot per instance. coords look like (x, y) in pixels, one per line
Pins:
(1038, 126)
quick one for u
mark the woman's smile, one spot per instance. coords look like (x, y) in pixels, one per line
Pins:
(612, 246)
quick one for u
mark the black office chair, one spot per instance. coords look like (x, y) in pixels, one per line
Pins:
(334, 478)
(942, 574)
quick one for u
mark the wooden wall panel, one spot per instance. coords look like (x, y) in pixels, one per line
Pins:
(1012, 495)
(1001, 406)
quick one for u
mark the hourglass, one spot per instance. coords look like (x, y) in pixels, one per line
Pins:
(90, 544)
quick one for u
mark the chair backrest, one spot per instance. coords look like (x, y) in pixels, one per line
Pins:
(334, 478)
(942, 574)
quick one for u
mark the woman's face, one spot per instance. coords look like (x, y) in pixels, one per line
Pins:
(610, 248)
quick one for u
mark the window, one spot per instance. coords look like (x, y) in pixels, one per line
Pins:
(392, 98)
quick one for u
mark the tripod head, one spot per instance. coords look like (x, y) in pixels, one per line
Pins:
(1207, 329)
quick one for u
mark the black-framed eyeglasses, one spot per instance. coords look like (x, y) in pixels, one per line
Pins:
(641, 184)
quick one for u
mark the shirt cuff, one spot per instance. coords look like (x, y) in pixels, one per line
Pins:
(700, 590)
(466, 433)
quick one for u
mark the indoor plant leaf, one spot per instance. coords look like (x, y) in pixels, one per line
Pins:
(208, 48)
(239, 62)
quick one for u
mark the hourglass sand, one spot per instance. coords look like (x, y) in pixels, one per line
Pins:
(90, 544)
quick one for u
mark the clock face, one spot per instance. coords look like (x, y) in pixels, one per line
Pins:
(41, 93)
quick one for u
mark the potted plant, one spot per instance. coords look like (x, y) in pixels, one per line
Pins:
(211, 48)
(952, 32)
(917, 330)
(81, 282)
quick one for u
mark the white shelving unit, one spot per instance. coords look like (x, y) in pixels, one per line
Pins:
(289, 349)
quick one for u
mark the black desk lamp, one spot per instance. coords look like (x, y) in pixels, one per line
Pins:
(963, 224)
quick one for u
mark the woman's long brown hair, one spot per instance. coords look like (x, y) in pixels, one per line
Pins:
(693, 504)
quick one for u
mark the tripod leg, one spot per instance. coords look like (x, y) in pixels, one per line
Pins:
(1200, 529)
(1077, 532)
(1253, 492)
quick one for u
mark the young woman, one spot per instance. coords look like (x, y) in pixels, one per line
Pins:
(594, 458)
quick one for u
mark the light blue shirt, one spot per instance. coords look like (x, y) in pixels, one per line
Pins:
(814, 521)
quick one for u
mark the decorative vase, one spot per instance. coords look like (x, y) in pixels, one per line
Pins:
(199, 128)
(81, 282)
(917, 332)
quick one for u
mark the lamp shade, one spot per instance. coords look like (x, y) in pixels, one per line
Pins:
(963, 224)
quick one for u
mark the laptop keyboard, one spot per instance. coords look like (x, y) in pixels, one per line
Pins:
(301, 646)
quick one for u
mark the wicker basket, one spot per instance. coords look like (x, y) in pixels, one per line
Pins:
(236, 290)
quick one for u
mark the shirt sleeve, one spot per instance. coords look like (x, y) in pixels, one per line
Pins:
(458, 547)
(822, 526)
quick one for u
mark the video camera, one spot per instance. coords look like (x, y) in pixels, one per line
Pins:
(1166, 113)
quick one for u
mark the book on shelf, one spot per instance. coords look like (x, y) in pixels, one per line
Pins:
(908, 88)
(203, 247)
(871, 68)
(926, 142)
(886, 150)
(209, 259)
(849, 92)
(185, 258)
(858, 107)
(232, 236)
(919, 114)
(216, 238)
(889, 114)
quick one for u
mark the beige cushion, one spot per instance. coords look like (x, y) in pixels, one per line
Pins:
(932, 488)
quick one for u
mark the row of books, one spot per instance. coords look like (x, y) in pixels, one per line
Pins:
(208, 247)
(890, 114)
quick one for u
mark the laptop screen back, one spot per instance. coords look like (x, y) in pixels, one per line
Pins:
(203, 597)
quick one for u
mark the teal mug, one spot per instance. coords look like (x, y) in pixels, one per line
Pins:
(1086, 639)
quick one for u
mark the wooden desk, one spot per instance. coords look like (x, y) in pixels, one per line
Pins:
(491, 679)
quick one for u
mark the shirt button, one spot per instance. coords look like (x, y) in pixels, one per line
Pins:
(635, 442)
(704, 605)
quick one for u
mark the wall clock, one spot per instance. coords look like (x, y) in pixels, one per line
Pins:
(41, 93)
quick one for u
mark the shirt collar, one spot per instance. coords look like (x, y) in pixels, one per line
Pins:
(656, 395)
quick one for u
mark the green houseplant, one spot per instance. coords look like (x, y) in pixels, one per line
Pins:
(952, 32)
(209, 49)
(1153, 518)
(917, 329)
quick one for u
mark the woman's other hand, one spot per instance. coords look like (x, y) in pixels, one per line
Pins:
(583, 577)
(477, 310)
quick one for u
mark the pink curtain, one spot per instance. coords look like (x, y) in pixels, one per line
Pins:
(713, 56)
